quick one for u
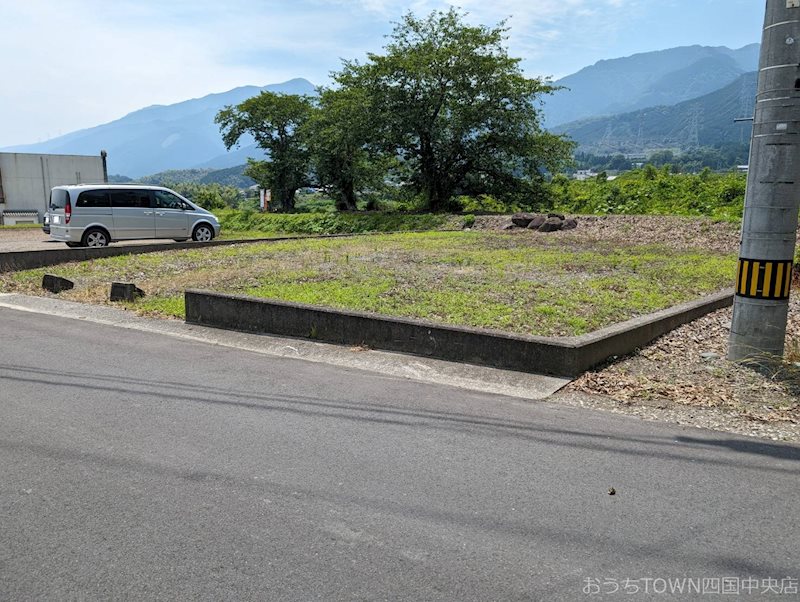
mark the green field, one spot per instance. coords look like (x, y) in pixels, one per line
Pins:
(520, 283)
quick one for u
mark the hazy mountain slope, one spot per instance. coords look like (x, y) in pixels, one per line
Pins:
(647, 79)
(162, 137)
(704, 121)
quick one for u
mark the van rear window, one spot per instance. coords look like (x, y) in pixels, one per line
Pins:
(58, 198)
(93, 198)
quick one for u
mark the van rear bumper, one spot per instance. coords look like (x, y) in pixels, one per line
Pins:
(65, 233)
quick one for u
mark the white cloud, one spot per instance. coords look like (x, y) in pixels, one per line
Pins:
(542, 31)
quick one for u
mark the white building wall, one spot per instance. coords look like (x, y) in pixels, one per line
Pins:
(28, 178)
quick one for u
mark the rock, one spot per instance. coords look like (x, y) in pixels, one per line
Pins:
(508, 226)
(570, 224)
(558, 215)
(710, 355)
(551, 224)
(522, 219)
(122, 291)
(56, 284)
(537, 222)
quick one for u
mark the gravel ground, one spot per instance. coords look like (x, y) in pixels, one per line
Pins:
(683, 377)
(33, 239)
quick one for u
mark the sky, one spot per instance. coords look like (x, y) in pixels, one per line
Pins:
(72, 64)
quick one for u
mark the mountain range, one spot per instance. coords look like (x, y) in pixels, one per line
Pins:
(704, 121)
(161, 137)
(676, 98)
(649, 79)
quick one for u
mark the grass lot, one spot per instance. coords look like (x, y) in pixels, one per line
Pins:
(564, 284)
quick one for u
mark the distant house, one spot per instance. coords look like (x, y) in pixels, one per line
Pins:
(585, 174)
(26, 180)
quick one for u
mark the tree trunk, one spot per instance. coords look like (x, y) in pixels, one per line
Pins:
(347, 197)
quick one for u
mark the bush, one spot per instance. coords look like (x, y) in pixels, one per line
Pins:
(653, 191)
(335, 223)
(484, 203)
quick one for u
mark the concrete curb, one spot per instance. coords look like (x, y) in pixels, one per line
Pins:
(562, 356)
(13, 261)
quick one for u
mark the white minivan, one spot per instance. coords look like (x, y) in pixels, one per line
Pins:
(93, 215)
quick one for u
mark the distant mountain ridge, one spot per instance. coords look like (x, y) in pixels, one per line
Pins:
(665, 77)
(184, 136)
(162, 137)
(704, 121)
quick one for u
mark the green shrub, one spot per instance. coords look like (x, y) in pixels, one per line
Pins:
(485, 203)
(653, 191)
(335, 223)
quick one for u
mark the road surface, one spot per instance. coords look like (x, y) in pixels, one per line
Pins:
(135, 465)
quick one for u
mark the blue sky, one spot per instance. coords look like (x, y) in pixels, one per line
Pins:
(71, 64)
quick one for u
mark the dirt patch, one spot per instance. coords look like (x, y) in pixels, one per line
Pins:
(684, 377)
(675, 231)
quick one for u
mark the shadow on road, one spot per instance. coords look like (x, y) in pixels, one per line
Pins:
(783, 452)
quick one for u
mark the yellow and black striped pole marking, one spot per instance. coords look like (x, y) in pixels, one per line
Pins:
(763, 279)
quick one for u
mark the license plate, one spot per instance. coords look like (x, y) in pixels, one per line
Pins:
(56, 219)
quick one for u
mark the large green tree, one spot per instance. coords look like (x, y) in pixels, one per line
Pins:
(279, 125)
(343, 161)
(447, 99)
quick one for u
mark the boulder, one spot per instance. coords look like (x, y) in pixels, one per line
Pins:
(56, 284)
(558, 215)
(570, 224)
(537, 222)
(551, 224)
(522, 219)
(122, 291)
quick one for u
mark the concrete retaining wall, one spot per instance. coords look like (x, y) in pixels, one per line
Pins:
(563, 356)
(27, 260)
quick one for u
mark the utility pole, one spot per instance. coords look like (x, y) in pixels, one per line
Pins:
(769, 227)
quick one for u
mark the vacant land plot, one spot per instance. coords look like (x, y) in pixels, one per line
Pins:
(566, 283)
(610, 269)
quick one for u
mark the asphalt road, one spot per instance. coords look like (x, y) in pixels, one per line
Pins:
(135, 465)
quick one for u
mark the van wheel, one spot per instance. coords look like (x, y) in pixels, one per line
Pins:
(95, 237)
(203, 233)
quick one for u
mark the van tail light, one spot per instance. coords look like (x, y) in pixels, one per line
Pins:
(67, 212)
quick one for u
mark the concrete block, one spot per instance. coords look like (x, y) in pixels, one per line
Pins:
(123, 291)
(56, 284)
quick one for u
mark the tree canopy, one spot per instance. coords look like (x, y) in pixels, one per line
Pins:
(449, 101)
(278, 123)
(443, 111)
